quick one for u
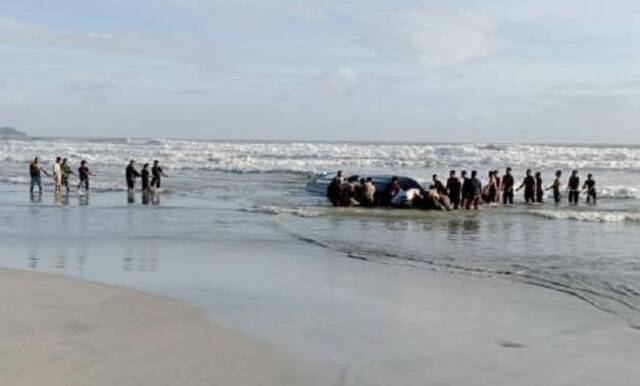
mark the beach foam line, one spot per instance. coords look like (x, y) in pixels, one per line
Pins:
(588, 215)
(59, 331)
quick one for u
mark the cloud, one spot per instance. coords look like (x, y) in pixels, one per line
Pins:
(342, 81)
(440, 38)
(11, 97)
(180, 48)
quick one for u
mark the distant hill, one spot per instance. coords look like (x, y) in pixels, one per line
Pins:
(10, 132)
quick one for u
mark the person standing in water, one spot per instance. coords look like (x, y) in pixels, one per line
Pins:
(507, 187)
(574, 188)
(529, 185)
(57, 175)
(368, 193)
(556, 186)
(130, 175)
(590, 189)
(490, 191)
(476, 191)
(144, 174)
(453, 189)
(156, 174)
(35, 171)
(333, 190)
(496, 175)
(83, 173)
(66, 171)
(539, 188)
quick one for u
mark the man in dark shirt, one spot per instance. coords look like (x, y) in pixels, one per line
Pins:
(574, 188)
(467, 189)
(146, 187)
(333, 190)
(453, 189)
(555, 187)
(507, 187)
(476, 191)
(156, 174)
(130, 174)
(590, 188)
(529, 185)
(83, 174)
(539, 188)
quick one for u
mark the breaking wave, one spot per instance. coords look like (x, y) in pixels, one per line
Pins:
(588, 216)
(314, 157)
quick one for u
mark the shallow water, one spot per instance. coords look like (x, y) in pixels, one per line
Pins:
(233, 215)
(221, 190)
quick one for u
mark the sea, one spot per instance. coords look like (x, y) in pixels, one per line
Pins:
(229, 191)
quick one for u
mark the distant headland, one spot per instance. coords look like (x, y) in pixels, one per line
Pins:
(10, 132)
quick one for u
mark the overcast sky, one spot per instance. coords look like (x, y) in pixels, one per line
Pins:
(454, 70)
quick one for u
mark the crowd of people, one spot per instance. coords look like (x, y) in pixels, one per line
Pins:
(62, 172)
(464, 192)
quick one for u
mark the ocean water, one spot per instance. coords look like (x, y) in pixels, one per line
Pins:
(220, 190)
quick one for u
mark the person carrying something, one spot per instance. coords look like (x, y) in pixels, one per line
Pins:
(574, 188)
(156, 174)
(83, 174)
(508, 184)
(35, 171)
(130, 175)
(590, 189)
(454, 189)
(556, 186)
(529, 185)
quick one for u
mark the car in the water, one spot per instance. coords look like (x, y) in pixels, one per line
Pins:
(318, 184)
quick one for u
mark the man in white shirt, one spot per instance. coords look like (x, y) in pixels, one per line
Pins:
(57, 175)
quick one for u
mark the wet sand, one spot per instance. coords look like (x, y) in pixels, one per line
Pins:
(62, 331)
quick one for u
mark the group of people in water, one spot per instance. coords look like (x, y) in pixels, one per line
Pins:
(466, 191)
(62, 172)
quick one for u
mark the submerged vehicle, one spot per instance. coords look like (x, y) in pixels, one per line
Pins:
(319, 184)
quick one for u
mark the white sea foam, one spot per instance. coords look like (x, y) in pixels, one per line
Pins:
(314, 157)
(277, 210)
(589, 216)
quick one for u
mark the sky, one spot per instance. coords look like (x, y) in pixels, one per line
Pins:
(374, 70)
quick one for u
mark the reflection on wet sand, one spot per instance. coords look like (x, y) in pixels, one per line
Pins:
(83, 199)
(36, 198)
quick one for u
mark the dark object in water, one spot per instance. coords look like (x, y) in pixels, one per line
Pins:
(319, 184)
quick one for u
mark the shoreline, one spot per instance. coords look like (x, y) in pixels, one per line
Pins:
(58, 330)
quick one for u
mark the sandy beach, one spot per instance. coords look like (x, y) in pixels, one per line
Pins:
(62, 331)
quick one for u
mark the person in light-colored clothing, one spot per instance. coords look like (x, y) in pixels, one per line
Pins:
(57, 174)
